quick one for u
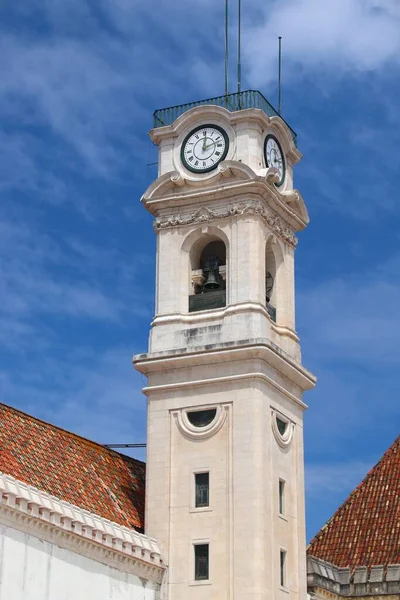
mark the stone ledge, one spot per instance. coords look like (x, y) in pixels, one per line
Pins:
(224, 351)
(378, 580)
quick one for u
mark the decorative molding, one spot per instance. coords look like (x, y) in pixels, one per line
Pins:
(168, 387)
(200, 433)
(206, 215)
(285, 439)
(272, 175)
(28, 509)
(178, 179)
(291, 195)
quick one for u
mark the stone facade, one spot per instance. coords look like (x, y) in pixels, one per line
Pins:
(235, 359)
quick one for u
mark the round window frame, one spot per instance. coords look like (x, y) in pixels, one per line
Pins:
(284, 440)
(197, 433)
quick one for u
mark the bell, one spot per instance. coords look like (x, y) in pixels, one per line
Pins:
(212, 282)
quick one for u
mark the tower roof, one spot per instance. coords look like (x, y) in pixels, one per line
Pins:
(72, 468)
(365, 530)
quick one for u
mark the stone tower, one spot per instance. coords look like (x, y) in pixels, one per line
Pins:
(225, 481)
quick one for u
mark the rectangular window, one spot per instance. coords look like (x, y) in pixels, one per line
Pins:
(202, 485)
(201, 562)
(283, 568)
(281, 497)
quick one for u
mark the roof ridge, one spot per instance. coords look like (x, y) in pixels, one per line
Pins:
(71, 433)
(353, 494)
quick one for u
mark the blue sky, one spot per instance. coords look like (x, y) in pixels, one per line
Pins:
(80, 80)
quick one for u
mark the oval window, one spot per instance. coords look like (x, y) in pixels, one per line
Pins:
(202, 418)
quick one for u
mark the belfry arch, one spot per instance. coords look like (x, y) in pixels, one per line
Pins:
(273, 261)
(207, 271)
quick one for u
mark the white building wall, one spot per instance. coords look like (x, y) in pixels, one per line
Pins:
(33, 569)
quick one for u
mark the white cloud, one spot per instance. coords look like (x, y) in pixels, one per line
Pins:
(340, 36)
(71, 86)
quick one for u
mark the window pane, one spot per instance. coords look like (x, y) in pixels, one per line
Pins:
(283, 568)
(202, 489)
(281, 425)
(281, 497)
(201, 562)
(202, 418)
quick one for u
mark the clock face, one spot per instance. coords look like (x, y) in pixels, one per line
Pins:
(204, 148)
(274, 157)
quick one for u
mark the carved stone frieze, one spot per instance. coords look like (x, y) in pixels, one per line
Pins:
(206, 215)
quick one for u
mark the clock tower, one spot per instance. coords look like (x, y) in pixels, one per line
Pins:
(225, 481)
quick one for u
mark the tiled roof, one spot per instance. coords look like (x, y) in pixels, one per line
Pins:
(72, 468)
(365, 530)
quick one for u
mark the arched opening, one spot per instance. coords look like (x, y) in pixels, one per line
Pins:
(208, 275)
(270, 281)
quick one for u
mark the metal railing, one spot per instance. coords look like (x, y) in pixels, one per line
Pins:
(232, 102)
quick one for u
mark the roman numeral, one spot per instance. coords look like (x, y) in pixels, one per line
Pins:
(219, 145)
(204, 163)
(196, 163)
(197, 137)
(204, 133)
(218, 138)
(190, 158)
(217, 153)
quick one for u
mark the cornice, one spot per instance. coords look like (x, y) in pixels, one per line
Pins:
(223, 352)
(207, 215)
(232, 180)
(26, 508)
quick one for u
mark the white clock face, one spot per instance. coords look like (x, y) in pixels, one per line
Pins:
(204, 148)
(274, 157)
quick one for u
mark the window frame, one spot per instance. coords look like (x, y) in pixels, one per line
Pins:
(196, 475)
(283, 568)
(193, 508)
(203, 580)
(281, 497)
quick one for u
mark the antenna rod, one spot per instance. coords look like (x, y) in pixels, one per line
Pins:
(239, 66)
(226, 48)
(280, 75)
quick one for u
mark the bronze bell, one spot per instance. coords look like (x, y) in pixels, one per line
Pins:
(212, 282)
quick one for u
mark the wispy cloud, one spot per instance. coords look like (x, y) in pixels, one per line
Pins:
(44, 276)
(93, 394)
(355, 318)
(340, 478)
(343, 36)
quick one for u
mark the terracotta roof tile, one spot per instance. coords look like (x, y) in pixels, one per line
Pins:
(365, 530)
(72, 468)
